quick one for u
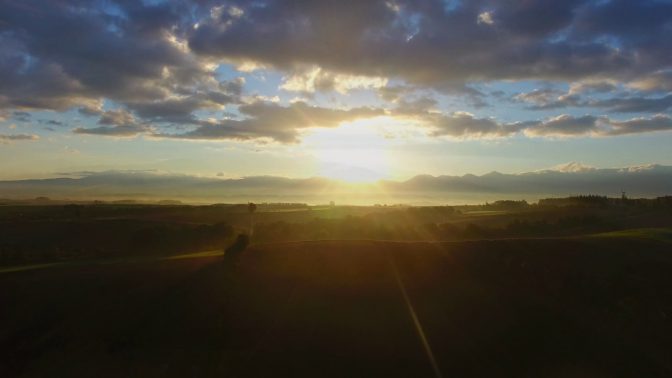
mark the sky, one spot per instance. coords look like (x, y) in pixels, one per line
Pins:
(349, 90)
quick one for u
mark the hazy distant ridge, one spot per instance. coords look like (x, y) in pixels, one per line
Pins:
(645, 181)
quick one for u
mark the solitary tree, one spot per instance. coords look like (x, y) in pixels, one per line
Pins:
(251, 207)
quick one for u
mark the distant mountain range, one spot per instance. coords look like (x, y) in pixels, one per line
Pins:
(642, 181)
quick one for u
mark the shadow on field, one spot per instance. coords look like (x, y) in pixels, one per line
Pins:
(507, 308)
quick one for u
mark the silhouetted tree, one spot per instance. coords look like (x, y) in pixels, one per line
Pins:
(233, 252)
(251, 208)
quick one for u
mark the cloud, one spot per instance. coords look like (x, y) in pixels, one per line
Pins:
(544, 99)
(91, 110)
(419, 105)
(116, 123)
(425, 43)
(392, 93)
(660, 81)
(117, 117)
(633, 23)
(21, 116)
(7, 139)
(567, 125)
(463, 124)
(551, 98)
(564, 125)
(116, 131)
(592, 86)
(263, 120)
(181, 109)
(167, 48)
(466, 125)
(130, 52)
(160, 61)
(634, 104)
(266, 120)
(485, 18)
(659, 122)
(314, 79)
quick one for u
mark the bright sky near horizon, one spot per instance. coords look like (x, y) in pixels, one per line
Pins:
(352, 90)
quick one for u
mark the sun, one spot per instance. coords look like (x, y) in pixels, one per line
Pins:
(353, 165)
(355, 152)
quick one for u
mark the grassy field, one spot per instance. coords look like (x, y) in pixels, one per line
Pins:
(565, 307)
(660, 234)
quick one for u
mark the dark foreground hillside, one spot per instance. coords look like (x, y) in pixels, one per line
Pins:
(593, 307)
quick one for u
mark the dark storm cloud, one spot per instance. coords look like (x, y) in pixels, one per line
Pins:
(273, 121)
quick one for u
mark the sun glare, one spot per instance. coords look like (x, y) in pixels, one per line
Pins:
(355, 152)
